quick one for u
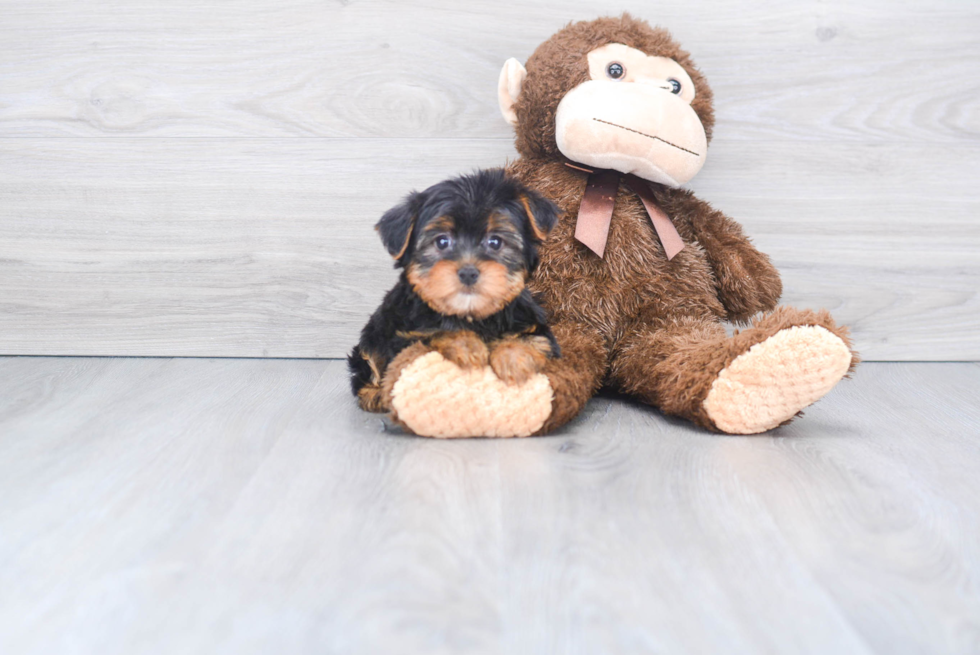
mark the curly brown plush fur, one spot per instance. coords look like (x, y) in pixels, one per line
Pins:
(634, 320)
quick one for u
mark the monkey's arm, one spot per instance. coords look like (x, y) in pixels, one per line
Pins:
(747, 281)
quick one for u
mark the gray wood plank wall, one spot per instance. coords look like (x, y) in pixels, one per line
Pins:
(191, 178)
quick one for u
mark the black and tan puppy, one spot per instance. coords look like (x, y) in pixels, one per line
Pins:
(467, 246)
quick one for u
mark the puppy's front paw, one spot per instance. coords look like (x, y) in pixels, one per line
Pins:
(462, 348)
(516, 360)
(370, 398)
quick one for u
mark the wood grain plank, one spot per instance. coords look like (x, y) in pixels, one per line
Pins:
(897, 459)
(245, 247)
(102, 256)
(649, 525)
(856, 514)
(780, 69)
(151, 488)
(204, 247)
(248, 506)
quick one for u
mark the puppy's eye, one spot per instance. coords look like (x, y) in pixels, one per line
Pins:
(615, 70)
(675, 86)
(495, 242)
(444, 242)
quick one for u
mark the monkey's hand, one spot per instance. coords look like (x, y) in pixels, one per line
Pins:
(515, 360)
(746, 280)
(463, 348)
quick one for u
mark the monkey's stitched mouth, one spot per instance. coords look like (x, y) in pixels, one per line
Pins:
(656, 138)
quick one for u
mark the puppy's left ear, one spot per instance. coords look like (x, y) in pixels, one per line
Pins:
(542, 214)
(397, 225)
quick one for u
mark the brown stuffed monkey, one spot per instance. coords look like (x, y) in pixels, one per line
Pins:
(611, 117)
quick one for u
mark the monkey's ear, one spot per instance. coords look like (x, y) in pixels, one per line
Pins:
(541, 213)
(509, 88)
(397, 224)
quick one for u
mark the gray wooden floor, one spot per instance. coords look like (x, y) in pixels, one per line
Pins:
(241, 506)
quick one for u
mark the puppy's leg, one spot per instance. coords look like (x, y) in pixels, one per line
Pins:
(370, 400)
(463, 348)
(366, 371)
(516, 359)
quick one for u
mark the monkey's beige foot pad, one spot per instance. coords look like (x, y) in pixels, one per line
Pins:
(776, 378)
(436, 398)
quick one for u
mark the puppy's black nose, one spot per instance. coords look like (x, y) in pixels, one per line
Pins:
(468, 275)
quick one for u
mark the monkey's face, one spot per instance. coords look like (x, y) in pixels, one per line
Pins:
(633, 115)
(611, 93)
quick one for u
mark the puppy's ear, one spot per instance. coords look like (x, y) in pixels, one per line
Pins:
(542, 214)
(397, 225)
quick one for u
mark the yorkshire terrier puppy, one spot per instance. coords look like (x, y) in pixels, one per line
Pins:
(466, 246)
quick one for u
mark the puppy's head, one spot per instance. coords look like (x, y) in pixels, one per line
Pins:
(469, 243)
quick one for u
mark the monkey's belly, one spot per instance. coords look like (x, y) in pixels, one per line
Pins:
(627, 288)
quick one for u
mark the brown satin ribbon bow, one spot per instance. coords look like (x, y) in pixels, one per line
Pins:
(596, 210)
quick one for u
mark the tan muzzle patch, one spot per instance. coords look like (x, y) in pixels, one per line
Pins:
(632, 128)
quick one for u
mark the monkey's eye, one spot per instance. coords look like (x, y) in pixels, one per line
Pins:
(494, 242)
(615, 70)
(444, 242)
(675, 86)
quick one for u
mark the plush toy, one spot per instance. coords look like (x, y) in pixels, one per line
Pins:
(638, 277)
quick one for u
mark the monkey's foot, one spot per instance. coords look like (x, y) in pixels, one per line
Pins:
(776, 378)
(434, 397)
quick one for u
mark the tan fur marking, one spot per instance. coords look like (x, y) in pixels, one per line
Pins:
(437, 284)
(415, 334)
(408, 238)
(515, 360)
(499, 224)
(463, 348)
(441, 224)
(372, 361)
(442, 290)
(538, 232)
(497, 286)
(370, 399)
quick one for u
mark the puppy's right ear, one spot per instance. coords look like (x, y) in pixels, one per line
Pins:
(397, 225)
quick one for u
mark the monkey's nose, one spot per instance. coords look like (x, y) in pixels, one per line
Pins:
(468, 275)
